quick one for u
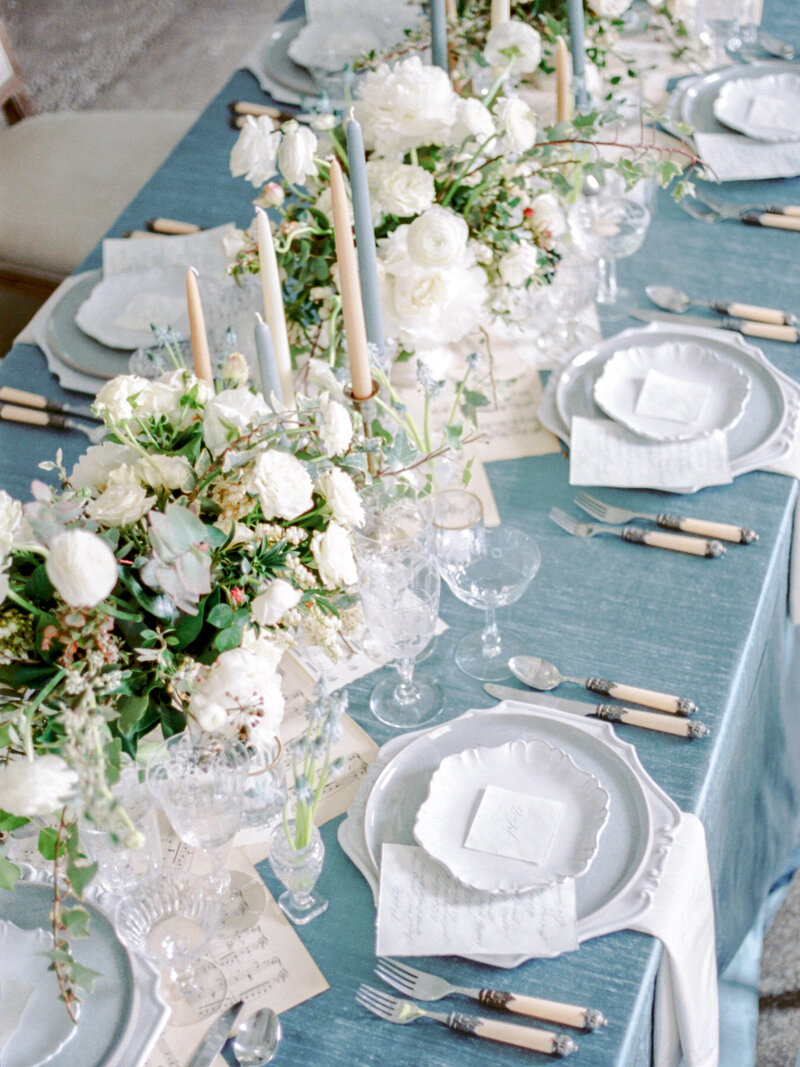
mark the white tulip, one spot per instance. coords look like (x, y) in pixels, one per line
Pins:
(296, 153)
(269, 607)
(255, 154)
(81, 567)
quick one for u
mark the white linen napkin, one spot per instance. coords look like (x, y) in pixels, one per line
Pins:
(682, 917)
(734, 157)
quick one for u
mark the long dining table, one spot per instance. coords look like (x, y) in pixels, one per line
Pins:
(717, 630)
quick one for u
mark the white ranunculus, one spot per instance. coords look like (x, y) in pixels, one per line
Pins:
(163, 395)
(400, 189)
(518, 265)
(438, 239)
(682, 10)
(10, 521)
(340, 491)
(296, 153)
(241, 685)
(609, 9)
(96, 464)
(165, 472)
(333, 552)
(120, 505)
(81, 567)
(547, 216)
(235, 369)
(473, 119)
(118, 400)
(517, 40)
(255, 154)
(37, 787)
(518, 123)
(231, 414)
(269, 607)
(335, 427)
(282, 484)
(405, 106)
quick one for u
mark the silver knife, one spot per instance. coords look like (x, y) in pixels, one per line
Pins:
(216, 1036)
(648, 720)
(726, 322)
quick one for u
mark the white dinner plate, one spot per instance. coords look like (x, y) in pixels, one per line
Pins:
(571, 804)
(121, 308)
(766, 108)
(722, 388)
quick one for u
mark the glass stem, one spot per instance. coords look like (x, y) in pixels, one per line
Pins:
(490, 635)
(404, 690)
(606, 280)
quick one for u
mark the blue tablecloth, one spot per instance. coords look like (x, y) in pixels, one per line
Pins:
(714, 630)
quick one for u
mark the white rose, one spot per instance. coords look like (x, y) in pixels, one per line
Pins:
(609, 9)
(163, 396)
(120, 505)
(36, 787)
(231, 414)
(10, 521)
(547, 216)
(518, 265)
(333, 553)
(167, 472)
(117, 401)
(405, 106)
(335, 427)
(269, 607)
(282, 484)
(96, 464)
(296, 153)
(518, 123)
(514, 40)
(682, 10)
(438, 238)
(239, 685)
(255, 153)
(340, 491)
(473, 119)
(401, 189)
(81, 567)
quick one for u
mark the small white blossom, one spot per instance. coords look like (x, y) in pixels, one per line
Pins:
(255, 154)
(333, 553)
(401, 189)
(340, 491)
(282, 484)
(518, 265)
(514, 40)
(96, 464)
(296, 153)
(120, 505)
(231, 414)
(81, 567)
(518, 122)
(609, 9)
(335, 427)
(269, 607)
(36, 787)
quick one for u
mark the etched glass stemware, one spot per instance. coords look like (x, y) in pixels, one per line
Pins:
(610, 228)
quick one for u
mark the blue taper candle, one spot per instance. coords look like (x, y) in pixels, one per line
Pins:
(439, 35)
(577, 47)
(365, 234)
(267, 365)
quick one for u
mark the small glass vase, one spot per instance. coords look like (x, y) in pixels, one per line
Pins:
(298, 869)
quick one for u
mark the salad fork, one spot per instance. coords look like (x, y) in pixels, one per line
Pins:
(415, 983)
(616, 516)
(395, 1010)
(694, 546)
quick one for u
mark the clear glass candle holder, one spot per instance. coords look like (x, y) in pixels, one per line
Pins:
(298, 870)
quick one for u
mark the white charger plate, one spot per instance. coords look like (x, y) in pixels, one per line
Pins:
(534, 768)
(121, 307)
(619, 385)
(736, 98)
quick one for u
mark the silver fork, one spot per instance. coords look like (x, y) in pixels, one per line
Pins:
(608, 513)
(395, 1010)
(414, 983)
(694, 546)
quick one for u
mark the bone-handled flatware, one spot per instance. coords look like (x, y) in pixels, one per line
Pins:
(412, 982)
(34, 417)
(647, 720)
(539, 674)
(676, 300)
(702, 211)
(725, 531)
(731, 211)
(752, 329)
(693, 546)
(172, 226)
(21, 397)
(395, 1010)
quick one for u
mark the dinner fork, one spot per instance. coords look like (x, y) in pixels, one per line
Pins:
(395, 1010)
(694, 546)
(700, 209)
(38, 417)
(616, 516)
(414, 983)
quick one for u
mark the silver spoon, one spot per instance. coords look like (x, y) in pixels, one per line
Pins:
(257, 1039)
(539, 674)
(664, 296)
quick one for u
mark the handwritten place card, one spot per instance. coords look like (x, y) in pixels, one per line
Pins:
(665, 397)
(604, 453)
(423, 911)
(517, 825)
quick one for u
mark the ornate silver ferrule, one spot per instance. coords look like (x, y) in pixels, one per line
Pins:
(463, 1022)
(747, 536)
(609, 712)
(594, 1019)
(495, 998)
(686, 706)
(697, 729)
(563, 1045)
(599, 685)
(635, 534)
(714, 549)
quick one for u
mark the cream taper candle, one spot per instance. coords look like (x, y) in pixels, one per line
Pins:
(563, 80)
(197, 329)
(273, 304)
(350, 288)
(501, 12)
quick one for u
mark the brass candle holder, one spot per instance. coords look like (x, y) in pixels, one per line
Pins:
(367, 409)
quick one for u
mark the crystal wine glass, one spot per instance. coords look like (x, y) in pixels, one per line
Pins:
(200, 782)
(171, 919)
(718, 21)
(399, 586)
(610, 228)
(486, 568)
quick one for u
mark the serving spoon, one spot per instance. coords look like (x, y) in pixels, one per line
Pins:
(257, 1039)
(664, 296)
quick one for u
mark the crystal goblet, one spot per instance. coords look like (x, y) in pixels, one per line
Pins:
(610, 228)
(298, 870)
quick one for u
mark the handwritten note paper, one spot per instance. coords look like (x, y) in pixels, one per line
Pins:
(513, 824)
(423, 911)
(604, 453)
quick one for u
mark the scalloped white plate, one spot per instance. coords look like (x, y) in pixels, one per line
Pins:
(331, 44)
(535, 768)
(122, 307)
(766, 108)
(727, 387)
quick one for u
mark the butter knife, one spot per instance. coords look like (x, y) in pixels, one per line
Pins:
(647, 720)
(216, 1036)
(23, 398)
(727, 322)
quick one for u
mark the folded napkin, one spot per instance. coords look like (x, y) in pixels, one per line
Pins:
(206, 251)
(734, 157)
(14, 996)
(681, 916)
